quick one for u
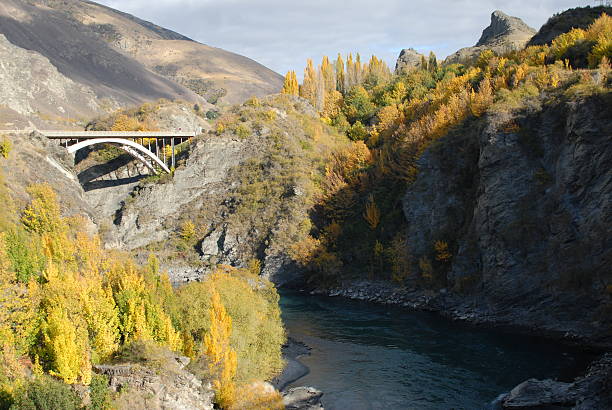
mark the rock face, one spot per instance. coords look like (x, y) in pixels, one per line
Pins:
(408, 59)
(218, 188)
(505, 33)
(592, 391)
(168, 388)
(524, 209)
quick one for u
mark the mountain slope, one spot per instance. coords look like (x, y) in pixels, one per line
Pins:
(210, 71)
(39, 90)
(115, 59)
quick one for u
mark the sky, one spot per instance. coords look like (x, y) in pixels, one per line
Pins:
(283, 34)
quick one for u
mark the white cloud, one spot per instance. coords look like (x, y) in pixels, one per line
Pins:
(283, 34)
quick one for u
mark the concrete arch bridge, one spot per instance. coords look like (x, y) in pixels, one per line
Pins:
(155, 149)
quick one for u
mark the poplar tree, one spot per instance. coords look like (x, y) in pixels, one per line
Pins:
(327, 72)
(290, 86)
(340, 76)
(351, 78)
(222, 361)
(308, 90)
(433, 62)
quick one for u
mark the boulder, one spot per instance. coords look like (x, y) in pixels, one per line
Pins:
(302, 398)
(540, 394)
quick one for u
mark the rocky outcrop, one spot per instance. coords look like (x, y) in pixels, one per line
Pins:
(524, 210)
(408, 59)
(579, 17)
(167, 387)
(592, 391)
(505, 33)
(222, 188)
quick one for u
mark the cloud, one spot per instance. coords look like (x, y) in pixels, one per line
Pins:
(283, 34)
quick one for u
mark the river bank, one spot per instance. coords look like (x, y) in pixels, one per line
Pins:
(592, 389)
(474, 312)
(301, 397)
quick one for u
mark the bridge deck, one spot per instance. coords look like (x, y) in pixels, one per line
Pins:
(116, 134)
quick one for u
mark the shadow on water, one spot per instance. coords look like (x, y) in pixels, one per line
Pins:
(367, 356)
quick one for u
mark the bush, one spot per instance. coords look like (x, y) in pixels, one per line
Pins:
(252, 304)
(99, 393)
(5, 147)
(358, 132)
(46, 393)
(25, 254)
(212, 114)
(242, 131)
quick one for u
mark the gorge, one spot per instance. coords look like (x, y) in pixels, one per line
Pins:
(436, 237)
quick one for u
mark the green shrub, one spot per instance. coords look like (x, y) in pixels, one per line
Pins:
(46, 393)
(99, 393)
(25, 254)
(252, 303)
(5, 147)
(358, 132)
(212, 114)
(242, 131)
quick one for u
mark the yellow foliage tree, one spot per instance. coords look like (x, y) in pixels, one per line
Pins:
(372, 213)
(291, 86)
(565, 41)
(327, 74)
(43, 213)
(308, 90)
(125, 123)
(442, 252)
(188, 231)
(222, 361)
(333, 104)
(67, 347)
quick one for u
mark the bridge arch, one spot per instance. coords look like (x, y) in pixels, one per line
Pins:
(131, 147)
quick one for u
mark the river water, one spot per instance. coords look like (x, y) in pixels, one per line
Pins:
(366, 356)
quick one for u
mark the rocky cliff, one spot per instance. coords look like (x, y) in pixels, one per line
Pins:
(523, 200)
(505, 33)
(246, 186)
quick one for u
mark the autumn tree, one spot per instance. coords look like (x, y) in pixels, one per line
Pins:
(291, 86)
(328, 75)
(222, 362)
(371, 213)
(340, 75)
(308, 90)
